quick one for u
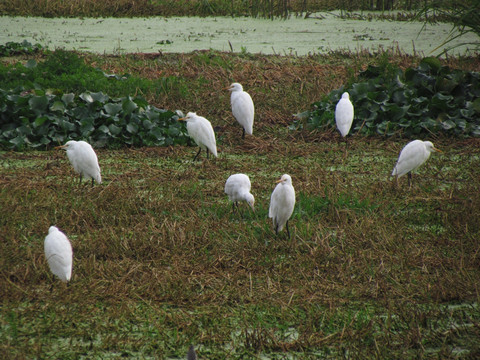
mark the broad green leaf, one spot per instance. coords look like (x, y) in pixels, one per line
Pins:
(448, 124)
(147, 124)
(104, 129)
(129, 106)
(99, 96)
(433, 62)
(114, 130)
(38, 103)
(58, 106)
(132, 128)
(68, 98)
(86, 97)
(18, 141)
(112, 109)
(39, 121)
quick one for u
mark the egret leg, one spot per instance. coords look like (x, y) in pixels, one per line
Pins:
(80, 179)
(288, 230)
(208, 153)
(243, 134)
(346, 146)
(198, 153)
(410, 181)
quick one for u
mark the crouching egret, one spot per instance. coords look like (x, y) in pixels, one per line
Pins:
(238, 188)
(201, 131)
(83, 159)
(344, 114)
(59, 254)
(242, 108)
(282, 203)
(412, 156)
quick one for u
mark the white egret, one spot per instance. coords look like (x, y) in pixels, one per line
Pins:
(191, 354)
(282, 203)
(83, 159)
(59, 254)
(412, 156)
(201, 131)
(344, 114)
(237, 187)
(242, 108)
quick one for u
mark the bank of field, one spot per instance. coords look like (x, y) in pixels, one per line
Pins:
(372, 270)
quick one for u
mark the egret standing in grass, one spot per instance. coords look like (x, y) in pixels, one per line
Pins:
(412, 156)
(344, 116)
(238, 188)
(201, 131)
(59, 254)
(282, 203)
(83, 159)
(242, 108)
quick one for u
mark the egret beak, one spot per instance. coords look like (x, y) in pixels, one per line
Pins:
(438, 150)
(228, 88)
(278, 181)
(182, 119)
(60, 147)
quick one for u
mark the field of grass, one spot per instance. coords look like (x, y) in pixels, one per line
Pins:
(372, 270)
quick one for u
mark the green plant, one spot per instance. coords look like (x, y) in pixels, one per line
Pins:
(15, 48)
(428, 99)
(41, 120)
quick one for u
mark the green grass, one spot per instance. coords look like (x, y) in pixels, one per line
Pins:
(160, 261)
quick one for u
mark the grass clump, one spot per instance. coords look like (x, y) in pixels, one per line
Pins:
(66, 71)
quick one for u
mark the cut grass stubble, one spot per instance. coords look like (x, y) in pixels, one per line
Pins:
(159, 237)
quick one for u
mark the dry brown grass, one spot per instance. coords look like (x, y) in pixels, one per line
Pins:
(161, 262)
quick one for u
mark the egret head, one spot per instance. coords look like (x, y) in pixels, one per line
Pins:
(68, 145)
(251, 201)
(345, 95)
(190, 116)
(285, 179)
(235, 87)
(52, 229)
(429, 146)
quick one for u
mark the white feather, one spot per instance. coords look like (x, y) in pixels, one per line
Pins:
(242, 107)
(237, 187)
(412, 156)
(344, 114)
(282, 202)
(59, 254)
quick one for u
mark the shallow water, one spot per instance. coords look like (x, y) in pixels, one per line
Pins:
(185, 34)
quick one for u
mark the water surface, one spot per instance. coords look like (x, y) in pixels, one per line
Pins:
(299, 36)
